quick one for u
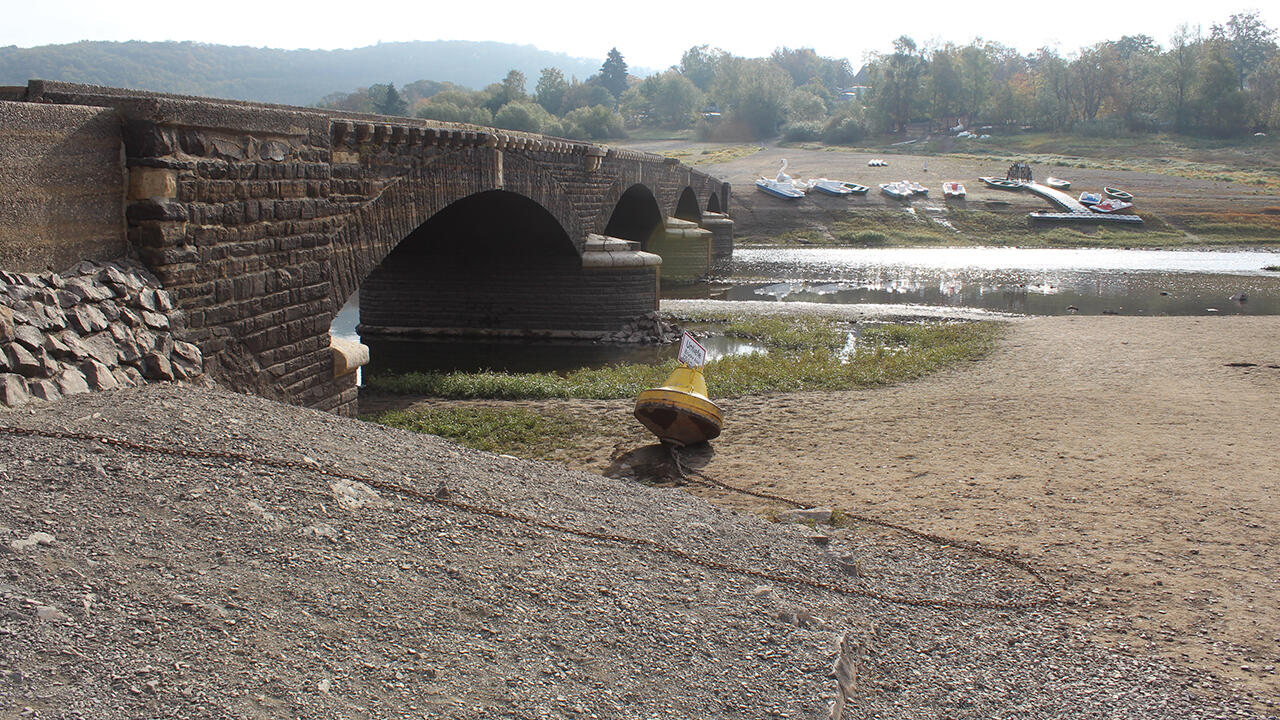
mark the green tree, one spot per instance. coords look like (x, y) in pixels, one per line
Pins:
(896, 84)
(944, 88)
(387, 101)
(613, 74)
(699, 64)
(1249, 42)
(670, 99)
(513, 86)
(551, 89)
(1220, 104)
(522, 115)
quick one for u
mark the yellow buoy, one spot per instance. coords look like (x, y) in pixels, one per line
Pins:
(679, 412)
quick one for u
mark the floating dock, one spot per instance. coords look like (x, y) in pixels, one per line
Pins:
(1074, 210)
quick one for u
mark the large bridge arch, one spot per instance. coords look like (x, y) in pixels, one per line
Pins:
(636, 216)
(409, 201)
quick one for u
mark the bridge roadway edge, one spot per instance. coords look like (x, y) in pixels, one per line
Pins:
(259, 219)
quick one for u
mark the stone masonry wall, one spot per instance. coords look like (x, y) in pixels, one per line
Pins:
(94, 327)
(61, 186)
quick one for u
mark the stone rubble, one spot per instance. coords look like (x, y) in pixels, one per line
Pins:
(97, 326)
(647, 328)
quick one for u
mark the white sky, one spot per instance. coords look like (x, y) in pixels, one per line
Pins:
(651, 34)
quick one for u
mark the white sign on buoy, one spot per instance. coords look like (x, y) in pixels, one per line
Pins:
(691, 352)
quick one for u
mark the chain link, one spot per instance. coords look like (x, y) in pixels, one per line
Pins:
(643, 543)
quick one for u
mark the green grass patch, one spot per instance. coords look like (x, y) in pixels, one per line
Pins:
(804, 354)
(518, 431)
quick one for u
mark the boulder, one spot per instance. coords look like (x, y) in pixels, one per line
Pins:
(98, 376)
(157, 367)
(29, 336)
(87, 319)
(71, 382)
(24, 361)
(13, 390)
(43, 389)
(102, 347)
(806, 515)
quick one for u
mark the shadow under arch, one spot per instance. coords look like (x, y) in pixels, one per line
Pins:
(492, 261)
(687, 206)
(713, 203)
(636, 216)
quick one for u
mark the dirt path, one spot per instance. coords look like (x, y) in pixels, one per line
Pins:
(1125, 456)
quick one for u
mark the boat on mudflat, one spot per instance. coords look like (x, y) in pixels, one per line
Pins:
(784, 190)
(1001, 183)
(1090, 198)
(953, 190)
(915, 187)
(1118, 194)
(896, 191)
(1057, 183)
(877, 163)
(1111, 205)
(837, 187)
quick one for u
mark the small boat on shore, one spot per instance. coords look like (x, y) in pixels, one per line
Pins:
(953, 190)
(915, 187)
(1057, 183)
(1001, 183)
(1090, 198)
(877, 163)
(837, 187)
(782, 186)
(1118, 194)
(786, 191)
(1111, 205)
(896, 191)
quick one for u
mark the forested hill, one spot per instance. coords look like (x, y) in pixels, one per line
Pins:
(293, 77)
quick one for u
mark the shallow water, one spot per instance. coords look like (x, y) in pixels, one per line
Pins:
(1031, 281)
(1027, 281)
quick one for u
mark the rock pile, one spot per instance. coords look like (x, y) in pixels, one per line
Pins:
(98, 326)
(647, 328)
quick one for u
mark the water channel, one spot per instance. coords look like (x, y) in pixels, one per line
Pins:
(1087, 281)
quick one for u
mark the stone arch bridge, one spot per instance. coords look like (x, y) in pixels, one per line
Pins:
(262, 220)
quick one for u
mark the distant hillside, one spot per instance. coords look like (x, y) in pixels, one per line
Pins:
(294, 77)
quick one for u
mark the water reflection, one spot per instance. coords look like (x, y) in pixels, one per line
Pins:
(1030, 281)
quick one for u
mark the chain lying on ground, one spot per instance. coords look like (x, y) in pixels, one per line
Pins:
(973, 548)
(440, 500)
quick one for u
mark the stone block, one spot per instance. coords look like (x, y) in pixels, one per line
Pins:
(156, 366)
(71, 382)
(29, 336)
(43, 389)
(87, 319)
(101, 347)
(13, 390)
(24, 361)
(348, 355)
(147, 183)
(98, 376)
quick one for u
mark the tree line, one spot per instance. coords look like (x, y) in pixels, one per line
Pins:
(1225, 82)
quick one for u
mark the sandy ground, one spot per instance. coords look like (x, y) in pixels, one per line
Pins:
(760, 216)
(1133, 459)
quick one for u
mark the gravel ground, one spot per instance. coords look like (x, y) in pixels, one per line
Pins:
(138, 584)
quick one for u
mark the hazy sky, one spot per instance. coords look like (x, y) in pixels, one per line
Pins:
(649, 34)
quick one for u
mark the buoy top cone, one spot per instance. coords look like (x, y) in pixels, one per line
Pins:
(679, 412)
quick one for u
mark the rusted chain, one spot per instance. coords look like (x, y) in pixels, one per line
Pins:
(973, 548)
(433, 499)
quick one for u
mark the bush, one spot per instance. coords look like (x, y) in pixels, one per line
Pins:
(596, 122)
(802, 132)
(845, 128)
